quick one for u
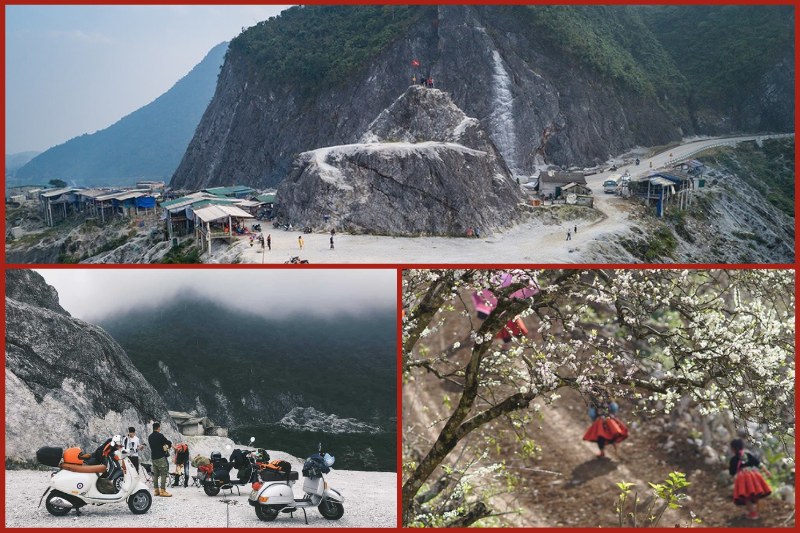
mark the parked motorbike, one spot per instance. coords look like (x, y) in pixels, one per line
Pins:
(256, 227)
(307, 229)
(74, 486)
(220, 477)
(274, 493)
(295, 260)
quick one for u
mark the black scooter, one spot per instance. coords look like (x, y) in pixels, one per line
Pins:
(220, 479)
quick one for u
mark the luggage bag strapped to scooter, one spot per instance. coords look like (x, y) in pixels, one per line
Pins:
(315, 466)
(278, 470)
(49, 456)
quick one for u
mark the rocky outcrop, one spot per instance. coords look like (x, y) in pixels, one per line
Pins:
(423, 167)
(68, 383)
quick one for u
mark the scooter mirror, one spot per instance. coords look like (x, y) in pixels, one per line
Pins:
(252, 440)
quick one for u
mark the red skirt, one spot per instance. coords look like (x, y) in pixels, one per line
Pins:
(608, 428)
(749, 487)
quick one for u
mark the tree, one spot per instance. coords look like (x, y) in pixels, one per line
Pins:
(57, 184)
(723, 338)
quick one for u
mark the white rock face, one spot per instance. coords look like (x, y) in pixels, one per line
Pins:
(423, 167)
(308, 418)
(67, 382)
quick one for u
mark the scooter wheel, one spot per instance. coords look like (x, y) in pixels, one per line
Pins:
(331, 510)
(57, 508)
(266, 513)
(140, 502)
(210, 490)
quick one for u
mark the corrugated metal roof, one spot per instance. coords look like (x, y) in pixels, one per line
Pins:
(217, 212)
(225, 191)
(268, 198)
(57, 192)
(129, 195)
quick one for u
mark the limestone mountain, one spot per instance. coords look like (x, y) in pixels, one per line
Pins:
(146, 144)
(67, 382)
(423, 167)
(242, 368)
(559, 85)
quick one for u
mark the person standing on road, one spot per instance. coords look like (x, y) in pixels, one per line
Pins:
(575, 231)
(159, 450)
(132, 446)
(269, 241)
(300, 241)
(569, 235)
(331, 242)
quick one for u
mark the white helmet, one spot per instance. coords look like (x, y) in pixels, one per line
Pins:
(328, 459)
(116, 440)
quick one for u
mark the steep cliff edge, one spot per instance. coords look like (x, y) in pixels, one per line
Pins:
(67, 382)
(423, 167)
(550, 84)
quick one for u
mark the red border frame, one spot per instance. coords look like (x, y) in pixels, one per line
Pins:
(402, 266)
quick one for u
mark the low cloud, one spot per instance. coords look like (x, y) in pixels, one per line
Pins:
(90, 294)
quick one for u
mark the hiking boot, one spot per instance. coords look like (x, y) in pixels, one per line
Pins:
(157, 491)
(165, 494)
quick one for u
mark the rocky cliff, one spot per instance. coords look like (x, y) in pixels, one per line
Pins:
(67, 382)
(423, 167)
(550, 84)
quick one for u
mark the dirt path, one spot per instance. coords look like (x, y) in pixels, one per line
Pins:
(527, 242)
(567, 485)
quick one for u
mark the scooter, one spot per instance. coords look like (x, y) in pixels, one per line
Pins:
(220, 479)
(274, 494)
(74, 486)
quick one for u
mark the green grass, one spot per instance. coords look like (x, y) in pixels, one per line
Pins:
(183, 253)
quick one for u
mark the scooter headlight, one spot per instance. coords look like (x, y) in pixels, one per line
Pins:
(263, 499)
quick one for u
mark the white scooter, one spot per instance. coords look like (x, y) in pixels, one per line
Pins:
(74, 486)
(274, 494)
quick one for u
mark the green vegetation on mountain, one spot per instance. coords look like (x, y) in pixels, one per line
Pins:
(247, 368)
(768, 168)
(723, 51)
(313, 47)
(614, 41)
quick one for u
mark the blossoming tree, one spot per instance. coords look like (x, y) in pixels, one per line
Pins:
(723, 339)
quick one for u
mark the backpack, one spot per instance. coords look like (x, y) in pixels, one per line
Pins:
(278, 465)
(238, 459)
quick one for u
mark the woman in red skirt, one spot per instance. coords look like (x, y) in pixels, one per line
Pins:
(606, 428)
(748, 486)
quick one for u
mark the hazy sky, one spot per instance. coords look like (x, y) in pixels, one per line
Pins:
(91, 294)
(77, 69)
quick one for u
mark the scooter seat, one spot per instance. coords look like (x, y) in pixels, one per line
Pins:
(84, 469)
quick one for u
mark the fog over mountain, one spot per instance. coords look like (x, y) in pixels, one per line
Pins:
(93, 294)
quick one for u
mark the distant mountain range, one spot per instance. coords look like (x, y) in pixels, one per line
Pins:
(241, 368)
(147, 144)
(16, 161)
